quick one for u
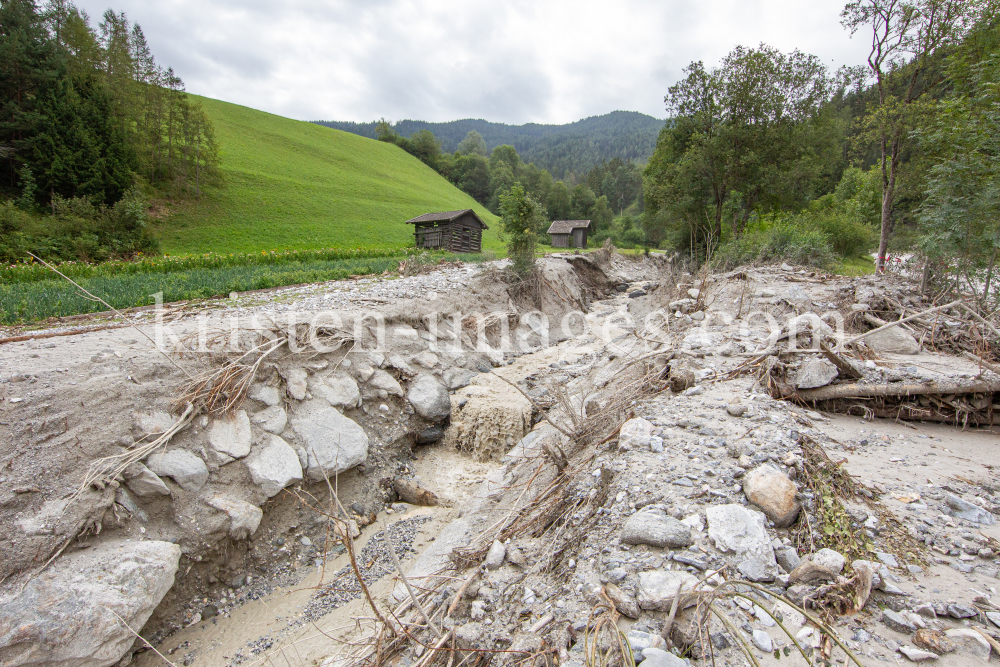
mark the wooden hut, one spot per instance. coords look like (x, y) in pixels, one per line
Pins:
(457, 231)
(569, 233)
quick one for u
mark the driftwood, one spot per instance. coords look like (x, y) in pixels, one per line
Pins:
(845, 367)
(858, 390)
(855, 339)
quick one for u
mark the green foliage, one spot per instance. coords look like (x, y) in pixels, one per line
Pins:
(291, 184)
(77, 230)
(777, 239)
(520, 219)
(473, 144)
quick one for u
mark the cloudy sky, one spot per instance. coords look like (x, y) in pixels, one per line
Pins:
(513, 61)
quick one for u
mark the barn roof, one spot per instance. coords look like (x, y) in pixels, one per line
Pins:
(445, 216)
(567, 226)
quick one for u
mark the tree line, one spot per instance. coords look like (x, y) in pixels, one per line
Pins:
(86, 113)
(567, 151)
(608, 191)
(771, 153)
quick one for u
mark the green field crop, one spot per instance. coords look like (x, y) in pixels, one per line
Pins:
(51, 296)
(291, 184)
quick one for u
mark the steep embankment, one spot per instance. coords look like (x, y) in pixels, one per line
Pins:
(292, 184)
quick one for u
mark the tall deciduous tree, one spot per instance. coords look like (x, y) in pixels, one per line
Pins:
(905, 35)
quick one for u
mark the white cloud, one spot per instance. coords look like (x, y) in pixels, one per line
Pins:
(550, 61)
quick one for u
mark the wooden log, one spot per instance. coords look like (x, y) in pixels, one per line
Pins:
(844, 366)
(858, 390)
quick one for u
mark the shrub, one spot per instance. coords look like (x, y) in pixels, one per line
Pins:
(780, 240)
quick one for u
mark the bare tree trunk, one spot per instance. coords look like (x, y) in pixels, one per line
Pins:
(888, 190)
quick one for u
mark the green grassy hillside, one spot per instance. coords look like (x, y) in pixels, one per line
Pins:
(295, 185)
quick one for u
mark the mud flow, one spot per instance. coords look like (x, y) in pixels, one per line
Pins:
(614, 462)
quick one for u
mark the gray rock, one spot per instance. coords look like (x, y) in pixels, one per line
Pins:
(429, 435)
(429, 398)
(296, 382)
(496, 555)
(816, 373)
(456, 378)
(273, 465)
(269, 396)
(893, 341)
(657, 588)
(961, 611)
(273, 419)
(770, 489)
(244, 518)
(333, 442)
(640, 641)
(994, 617)
(635, 434)
(830, 559)
(656, 529)
(917, 654)
(231, 435)
(961, 509)
(787, 558)
(657, 657)
(736, 409)
(189, 471)
(753, 569)
(743, 531)
(971, 642)
(384, 381)
(887, 558)
(687, 558)
(144, 482)
(123, 498)
(340, 391)
(70, 613)
(152, 423)
(896, 621)
(762, 640)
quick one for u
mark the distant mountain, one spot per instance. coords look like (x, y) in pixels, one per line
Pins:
(575, 147)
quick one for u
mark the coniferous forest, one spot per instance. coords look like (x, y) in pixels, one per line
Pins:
(90, 125)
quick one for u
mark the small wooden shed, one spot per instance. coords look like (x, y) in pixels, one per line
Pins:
(456, 231)
(569, 233)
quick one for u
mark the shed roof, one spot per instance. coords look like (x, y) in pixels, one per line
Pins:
(445, 216)
(567, 226)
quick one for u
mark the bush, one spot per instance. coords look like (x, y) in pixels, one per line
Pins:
(774, 241)
(849, 236)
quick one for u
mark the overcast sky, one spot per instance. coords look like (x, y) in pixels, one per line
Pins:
(512, 61)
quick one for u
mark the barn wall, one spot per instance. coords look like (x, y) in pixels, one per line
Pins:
(560, 240)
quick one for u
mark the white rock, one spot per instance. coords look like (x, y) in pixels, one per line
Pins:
(830, 560)
(267, 395)
(762, 640)
(635, 433)
(244, 518)
(816, 373)
(893, 341)
(152, 423)
(425, 359)
(496, 555)
(296, 382)
(272, 419)
(231, 435)
(144, 482)
(385, 382)
(273, 465)
(970, 641)
(658, 588)
(340, 390)
(916, 654)
(429, 398)
(72, 612)
(333, 442)
(741, 530)
(189, 471)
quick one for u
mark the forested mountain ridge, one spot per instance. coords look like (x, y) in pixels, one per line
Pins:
(561, 149)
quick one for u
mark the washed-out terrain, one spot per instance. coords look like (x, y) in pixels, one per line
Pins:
(618, 463)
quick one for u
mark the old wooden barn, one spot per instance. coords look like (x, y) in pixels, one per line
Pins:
(457, 231)
(569, 233)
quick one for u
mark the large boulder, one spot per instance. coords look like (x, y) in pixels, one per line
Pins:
(273, 465)
(74, 614)
(656, 529)
(741, 530)
(231, 435)
(429, 398)
(189, 471)
(893, 341)
(962, 509)
(334, 443)
(815, 373)
(770, 489)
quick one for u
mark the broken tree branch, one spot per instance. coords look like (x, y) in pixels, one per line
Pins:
(844, 366)
(858, 390)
